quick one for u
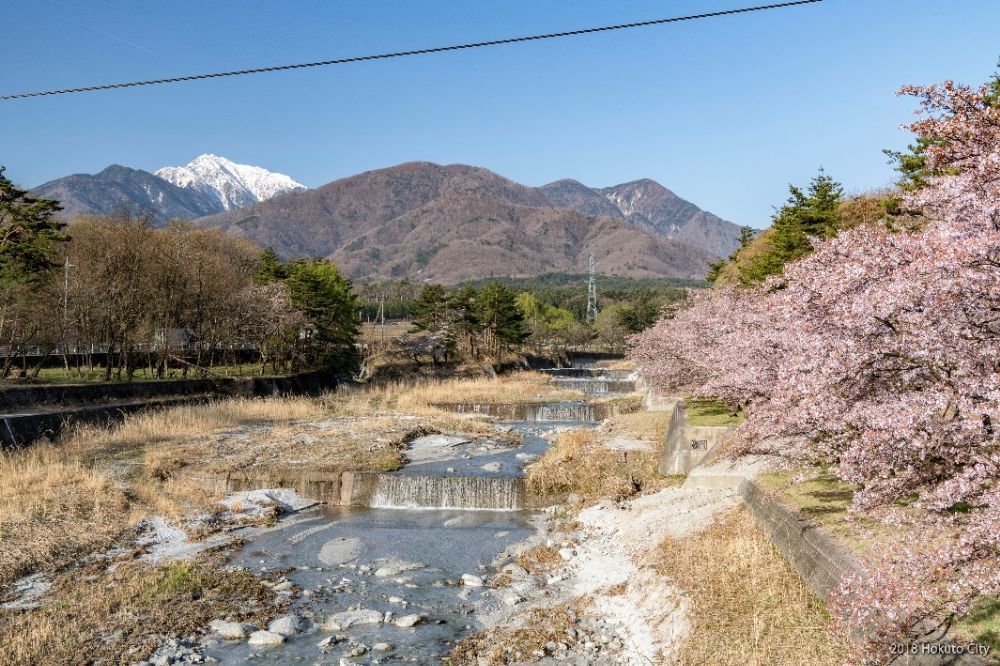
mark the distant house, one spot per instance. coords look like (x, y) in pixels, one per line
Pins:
(174, 338)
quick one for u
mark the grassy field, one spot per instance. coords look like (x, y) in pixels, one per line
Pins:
(747, 606)
(705, 412)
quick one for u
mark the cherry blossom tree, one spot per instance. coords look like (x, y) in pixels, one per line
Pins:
(879, 354)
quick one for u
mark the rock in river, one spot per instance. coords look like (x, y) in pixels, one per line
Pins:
(408, 620)
(346, 619)
(286, 625)
(265, 638)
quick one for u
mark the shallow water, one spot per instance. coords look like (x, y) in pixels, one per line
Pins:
(333, 553)
(447, 543)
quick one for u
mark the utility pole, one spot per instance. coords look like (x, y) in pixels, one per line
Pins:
(592, 293)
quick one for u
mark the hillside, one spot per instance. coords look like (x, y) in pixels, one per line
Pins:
(648, 205)
(207, 185)
(452, 223)
(100, 193)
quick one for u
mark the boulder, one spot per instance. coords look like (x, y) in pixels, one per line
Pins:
(408, 620)
(230, 631)
(347, 619)
(472, 581)
(286, 625)
(265, 639)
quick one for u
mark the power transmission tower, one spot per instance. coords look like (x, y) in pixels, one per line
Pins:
(592, 293)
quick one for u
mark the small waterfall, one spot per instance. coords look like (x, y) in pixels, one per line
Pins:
(595, 386)
(586, 373)
(403, 491)
(554, 411)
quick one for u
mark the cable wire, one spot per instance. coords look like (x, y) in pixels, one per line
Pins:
(415, 52)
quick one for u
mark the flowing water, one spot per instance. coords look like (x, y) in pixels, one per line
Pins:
(455, 510)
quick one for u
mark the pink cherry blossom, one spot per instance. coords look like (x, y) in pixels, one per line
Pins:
(879, 354)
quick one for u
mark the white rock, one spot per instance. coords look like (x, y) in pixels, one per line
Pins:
(286, 625)
(491, 467)
(397, 600)
(231, 631)
(408, 620)
(567, 553)
(382, 647)
(513, 599)
(346, 619)
(265, 638)
(472, 581)
(283, 586)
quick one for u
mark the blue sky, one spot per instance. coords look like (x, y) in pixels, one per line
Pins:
(725, 112)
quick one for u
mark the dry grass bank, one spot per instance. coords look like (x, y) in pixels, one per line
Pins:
(53, 508)
(111, 618)
(87, 491)
(747, 607)
(580, 464)
(518, 645)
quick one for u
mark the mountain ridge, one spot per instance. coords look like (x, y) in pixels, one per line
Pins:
(450, 223)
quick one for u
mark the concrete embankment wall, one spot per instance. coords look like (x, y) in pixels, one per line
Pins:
(688, 445)
(29, 413)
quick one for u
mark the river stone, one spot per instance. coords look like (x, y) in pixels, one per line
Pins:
(231, 631)
(408, 620)
(431, 441)
(265, 638)
(340, 550)
(382, 647)
(346, 619)
(513, 599)
(515, 570)
(491, 467)
(286, 625)
(472, 581)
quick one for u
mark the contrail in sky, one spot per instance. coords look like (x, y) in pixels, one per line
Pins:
(119, 39)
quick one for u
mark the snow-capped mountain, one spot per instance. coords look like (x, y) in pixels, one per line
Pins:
(233, 185)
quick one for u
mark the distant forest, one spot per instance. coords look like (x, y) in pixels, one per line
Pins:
(561, 290)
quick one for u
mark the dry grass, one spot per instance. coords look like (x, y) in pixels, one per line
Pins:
(173, 423)
(112, 618)
(645, 425)
(540, 559)
(516, 645)
(526, 387)
(747, 606)
(580, 464)
(53, 509)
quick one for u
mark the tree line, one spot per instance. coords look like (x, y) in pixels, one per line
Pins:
(113, 291)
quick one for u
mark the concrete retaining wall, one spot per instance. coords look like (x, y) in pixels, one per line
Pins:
(688, 445)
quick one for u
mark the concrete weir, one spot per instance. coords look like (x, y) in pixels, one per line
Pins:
(554, 411)
(404, 491)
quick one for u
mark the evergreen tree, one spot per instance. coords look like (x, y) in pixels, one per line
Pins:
(30, 235)
(324, 295)
(496, 309)
(271, 269)
(805, 216)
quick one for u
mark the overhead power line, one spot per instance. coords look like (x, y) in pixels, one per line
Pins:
(403, 54)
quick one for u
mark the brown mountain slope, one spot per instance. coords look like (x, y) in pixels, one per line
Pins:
(451, 223)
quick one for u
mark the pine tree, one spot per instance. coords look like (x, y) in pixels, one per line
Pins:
(30, 235)
(807, 215)
(496, 309)
(324, 295)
